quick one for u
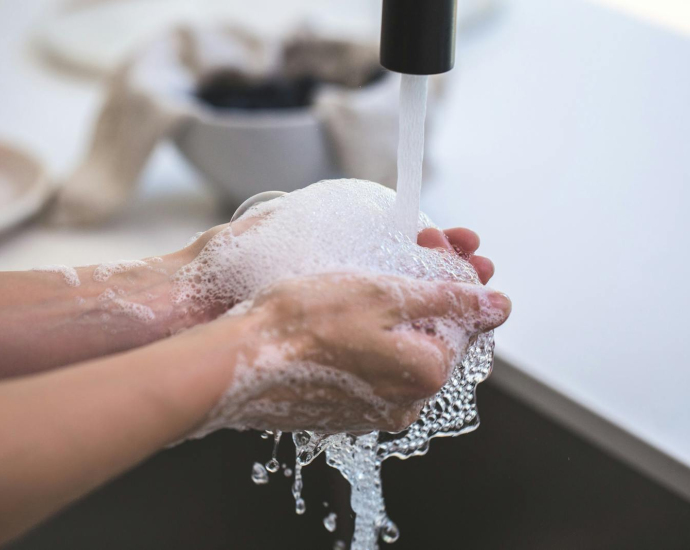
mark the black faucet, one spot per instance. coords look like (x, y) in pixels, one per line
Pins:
(418, 36)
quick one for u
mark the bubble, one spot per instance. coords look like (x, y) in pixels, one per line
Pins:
(259, 474)
(300, 506)
(389, 532)
(330, 522)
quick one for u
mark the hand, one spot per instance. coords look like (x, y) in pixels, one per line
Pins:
(461, 241)
(458, 240)
(346, 352)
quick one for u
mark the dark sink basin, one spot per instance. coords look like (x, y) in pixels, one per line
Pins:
(520, 483)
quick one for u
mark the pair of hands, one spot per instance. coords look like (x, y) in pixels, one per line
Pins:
(132, 391)
(347, 324)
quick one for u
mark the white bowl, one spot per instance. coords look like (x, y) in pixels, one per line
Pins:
(243, 153)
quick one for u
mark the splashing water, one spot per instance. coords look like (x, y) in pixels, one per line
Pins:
(273, 465)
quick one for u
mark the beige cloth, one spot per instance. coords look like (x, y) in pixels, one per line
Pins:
(151, 96)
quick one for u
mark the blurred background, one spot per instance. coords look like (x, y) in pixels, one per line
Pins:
(562, 137)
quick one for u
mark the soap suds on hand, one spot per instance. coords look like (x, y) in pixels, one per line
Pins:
(106, 270)
(69, 274)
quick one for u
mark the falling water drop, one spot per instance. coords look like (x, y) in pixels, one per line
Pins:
(390, 532)
(330, 522)
(300, 506)
(272, 466)
(259, 474)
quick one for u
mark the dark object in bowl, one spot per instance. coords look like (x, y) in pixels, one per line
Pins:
(229, 92)
(225, 90)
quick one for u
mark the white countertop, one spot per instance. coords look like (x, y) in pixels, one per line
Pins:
(565, 144)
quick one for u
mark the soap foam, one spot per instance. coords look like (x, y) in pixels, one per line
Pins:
(337, 226)
(111, 303)
(106, 270)
(69, 274)
(329, 227)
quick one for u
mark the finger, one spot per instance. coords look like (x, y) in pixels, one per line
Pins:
(481, 307)
(463, 240)
(243, 224)
(433, 238)
(484, 268)
(197, 244)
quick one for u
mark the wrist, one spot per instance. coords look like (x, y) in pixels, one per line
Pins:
(130, 301)
(197, 368)
(134, 302)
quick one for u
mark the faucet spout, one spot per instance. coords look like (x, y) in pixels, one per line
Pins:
(418, 36)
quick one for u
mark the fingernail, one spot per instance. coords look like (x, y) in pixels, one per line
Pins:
(501, 301)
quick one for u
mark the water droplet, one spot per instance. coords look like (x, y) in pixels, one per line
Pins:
(272, 466)
(300, 506)
(259, 474)
(390, 532)
(339, 545)
(301, 438)
(287, 472)
(330, 522)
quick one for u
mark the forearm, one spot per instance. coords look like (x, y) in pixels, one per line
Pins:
(48, 320)
(66, 432)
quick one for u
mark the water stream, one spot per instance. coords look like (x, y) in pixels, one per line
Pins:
(413, 99)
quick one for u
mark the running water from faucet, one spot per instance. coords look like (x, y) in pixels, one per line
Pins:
(413, 100)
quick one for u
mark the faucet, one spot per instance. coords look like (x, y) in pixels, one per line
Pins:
(418, 36)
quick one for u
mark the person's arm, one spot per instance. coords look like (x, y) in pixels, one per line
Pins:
(66, 432)
(49, 320)
(46, 323)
